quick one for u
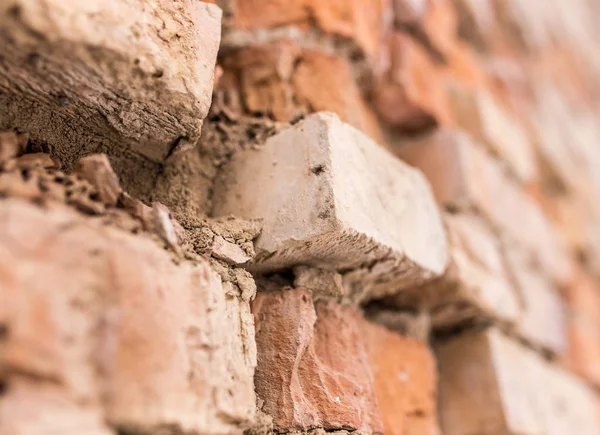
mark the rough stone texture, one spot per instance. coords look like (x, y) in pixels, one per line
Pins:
(491, 385)
(462, 174)
(111, 329)
(319, 281)
(94, 76)
(313, 369)
(333, 211)
(405, 379)
(476, 285)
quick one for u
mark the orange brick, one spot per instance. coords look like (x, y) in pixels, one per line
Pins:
(281, 80)
(583, 348)
(411, 94)
(364, 21)
(405, 379)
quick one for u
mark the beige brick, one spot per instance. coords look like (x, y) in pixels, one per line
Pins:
(491, 385)
(462, 174)
(114, 325)
(332, 198)
(542, 321)
(82, 76)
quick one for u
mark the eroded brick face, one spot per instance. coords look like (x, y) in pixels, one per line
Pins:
(313, 369)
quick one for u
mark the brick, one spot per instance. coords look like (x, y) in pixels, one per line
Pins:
(434, 22)
(411, 94)
(405, 380)
(582, 354)
(489, 384)
(475, 286)
(313, 369)
(138, 77)
(110, 322)
(335, 211)
(462, 174)
(363, 21)
(542, 322)
(481, 115)
(283, 80)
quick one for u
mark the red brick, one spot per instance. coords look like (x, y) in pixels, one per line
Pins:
(364, 21)
(313, 370)
(282, 80)
(411, 94)
(405, 379)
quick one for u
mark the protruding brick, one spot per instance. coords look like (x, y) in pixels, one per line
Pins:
(411, 94)
(110, 324)
(313, 370)
(462, 174)
(405, 379)
(476, 285)
(489, 385)
(331, 198)
(81, 76)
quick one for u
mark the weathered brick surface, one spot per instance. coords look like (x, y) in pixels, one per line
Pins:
(405, 381)
(489, 384)
(282, 80)
(83, 76)
(103, 326)
(313, 369)
(332, 212)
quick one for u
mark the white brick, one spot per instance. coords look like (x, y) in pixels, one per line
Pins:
(330, 197)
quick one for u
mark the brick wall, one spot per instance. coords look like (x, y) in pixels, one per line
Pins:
(300, 216)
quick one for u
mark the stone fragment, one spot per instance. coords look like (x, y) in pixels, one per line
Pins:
(346, 204)
(320, 282)
(97, 170)
(110, 321)
(476, 285)
(490, 384)
(405, 380)
(11, 145)
(35, 160)
(411, 95)
(463, 175)
(85, 76)
(229, 252)
(313, 370)
(163, 225)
